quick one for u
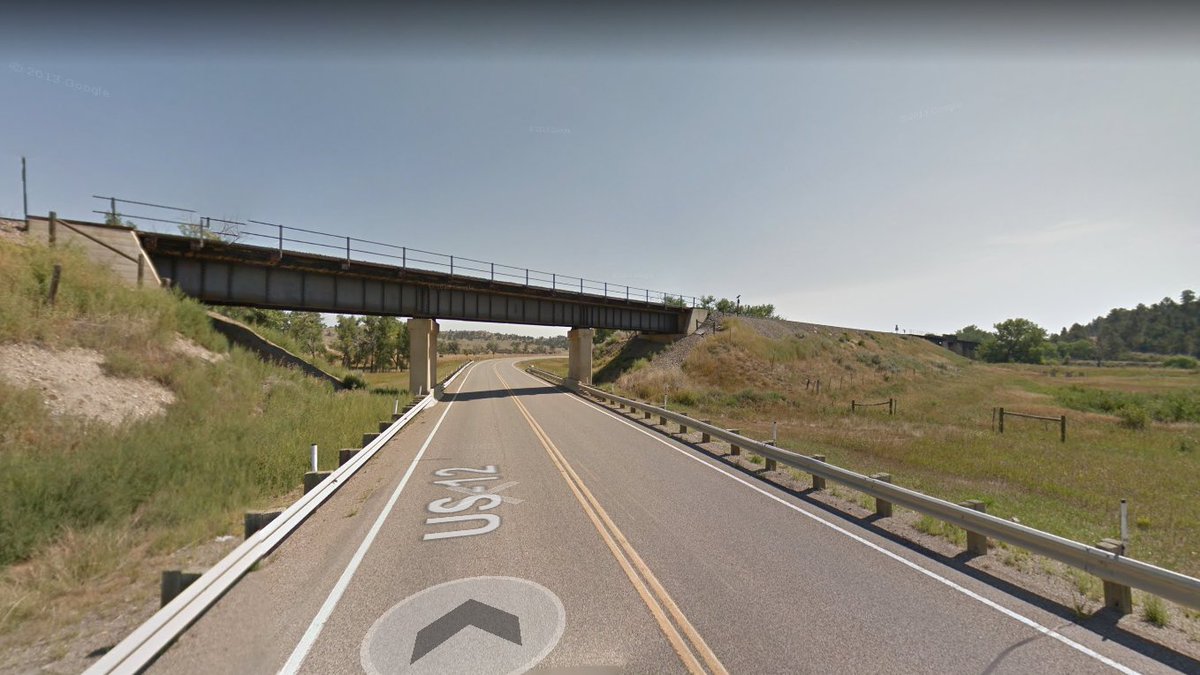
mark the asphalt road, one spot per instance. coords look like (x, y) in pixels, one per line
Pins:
(515, 526)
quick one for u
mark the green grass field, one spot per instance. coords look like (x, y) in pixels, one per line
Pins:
(942, 442)
(81, 501)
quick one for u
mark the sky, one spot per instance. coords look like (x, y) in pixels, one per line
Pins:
(921, 167)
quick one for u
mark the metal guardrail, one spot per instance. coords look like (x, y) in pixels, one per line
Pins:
(146, 642)
(364, 250)
(1169, 585)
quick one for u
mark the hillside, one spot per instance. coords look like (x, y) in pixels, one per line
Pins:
(132, 437)
(1166, 327)
(1121, 422)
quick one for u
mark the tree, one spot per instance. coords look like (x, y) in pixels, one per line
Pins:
(707, 301)
(307, 330)
(1016, 341)
(491, 347)
(973, 333)
(347, 332)
(453, 347)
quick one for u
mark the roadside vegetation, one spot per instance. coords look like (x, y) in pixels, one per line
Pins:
(942, 440)
(84, 503)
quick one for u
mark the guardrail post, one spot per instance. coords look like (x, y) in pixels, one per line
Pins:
(683, 428)
(883, 508)
(173, 583)
(977, 544)
(346, 454)
(818, 482)
(313, 478)
(254, 521)
(662, 420)
(734, 449)
(704, 436)
(647, 413)
(1116, 596)
(769, 463)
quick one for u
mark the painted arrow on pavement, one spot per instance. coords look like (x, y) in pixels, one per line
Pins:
(471, 613)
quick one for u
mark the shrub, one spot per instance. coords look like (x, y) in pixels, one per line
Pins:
(1133, 417)
(354, 381)
(1185, 362)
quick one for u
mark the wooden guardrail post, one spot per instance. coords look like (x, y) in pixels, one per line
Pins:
(662, 419)
(683, 428)
(1116, 596)
(883, 508)
(704, 435)
(173, 583)
(977, 544)
(734, 449)
(770, 464)
(253, 521)
(818, 482)
(647, 415)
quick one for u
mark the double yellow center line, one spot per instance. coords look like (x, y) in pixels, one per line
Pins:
(674, 625)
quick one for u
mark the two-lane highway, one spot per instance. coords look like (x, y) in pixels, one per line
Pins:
(517, 526)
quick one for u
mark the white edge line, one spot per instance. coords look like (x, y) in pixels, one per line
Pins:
(318, 623)
(837, 528)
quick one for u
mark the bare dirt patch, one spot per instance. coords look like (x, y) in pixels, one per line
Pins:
(72, 382)
(11, 230)
(185, 347)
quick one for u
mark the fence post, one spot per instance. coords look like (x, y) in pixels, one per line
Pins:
(581, 285)
(734, 449)
(1001, 410)
(493, 271)
(553, 281)
(112, 205)
(347, 249)
(818, 482)
(891, 406)
(977, 544)
(280, 241)
(852, 403)
(526, 276)
(606, 289)
(403, 257)
(54, 277)
(1064, 428)
(451, 265)
(53, 233)
(883, 508)
(141, 273)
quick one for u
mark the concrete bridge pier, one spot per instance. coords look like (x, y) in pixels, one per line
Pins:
(422, 355)
(579, 359)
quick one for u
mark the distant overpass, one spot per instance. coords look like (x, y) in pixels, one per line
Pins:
(380, 279)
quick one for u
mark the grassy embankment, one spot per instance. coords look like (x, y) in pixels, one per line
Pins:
(941, 440)
(391, 381)
(83, 504)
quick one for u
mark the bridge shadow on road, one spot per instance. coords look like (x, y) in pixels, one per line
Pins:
(500, 393)
(1103, 622)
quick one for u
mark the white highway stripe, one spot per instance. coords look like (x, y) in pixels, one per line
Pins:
(318, 623)
(837, 528)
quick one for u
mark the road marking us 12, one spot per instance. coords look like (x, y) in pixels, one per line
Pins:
(479, 496)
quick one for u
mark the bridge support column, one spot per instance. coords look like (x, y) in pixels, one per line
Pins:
(579, 360)
(422, 355)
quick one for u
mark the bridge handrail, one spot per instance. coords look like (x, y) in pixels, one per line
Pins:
(442, 261)
(1167, 584)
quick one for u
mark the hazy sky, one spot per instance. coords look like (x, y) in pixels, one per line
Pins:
(927, 170)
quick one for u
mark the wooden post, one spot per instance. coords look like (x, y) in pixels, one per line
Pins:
(1001, 410)
(1116, 596)
(891, 406)
(54, 277)
(818, 482)
(662, 420)
(883, 508)
(733, 449)
(852, 405)
(704, 437)
(768, 462)
(141, 269)
(1064, 428)
(53, 232)
(977, 544)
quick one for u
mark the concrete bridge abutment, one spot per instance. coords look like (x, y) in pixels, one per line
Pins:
(579, 356)
(422, 355)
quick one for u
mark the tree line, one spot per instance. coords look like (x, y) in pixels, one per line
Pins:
(1165, 328)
